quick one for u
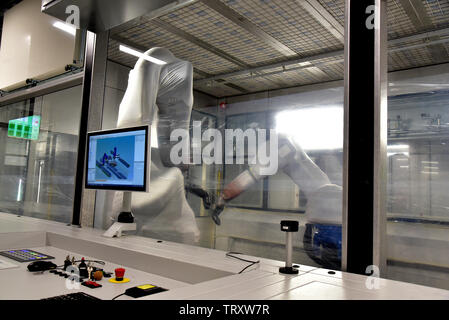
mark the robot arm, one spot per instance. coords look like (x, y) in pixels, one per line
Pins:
(139, 102)
(292, 160)
(175, 101)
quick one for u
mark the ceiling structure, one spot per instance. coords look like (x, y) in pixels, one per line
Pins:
(243, 46)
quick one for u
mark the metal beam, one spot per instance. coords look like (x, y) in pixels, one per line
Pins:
(85, 104)
(287, 63)
(236, 87)
(137, 46)
(248, 26)
(316, 10)
(364, 170)
(187, 36)
(47, 87)
(421, 20)
(333, 54)
(421, 36)
(421, 45)
(417, 14)
(95, 116)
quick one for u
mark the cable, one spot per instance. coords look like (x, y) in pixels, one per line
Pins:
(96, 261)
(122, 294)
(231, 255)
(248, 266)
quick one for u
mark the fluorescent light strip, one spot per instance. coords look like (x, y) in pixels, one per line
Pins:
(65, 27)
(389, 154)
(139, 54)
(398, 147)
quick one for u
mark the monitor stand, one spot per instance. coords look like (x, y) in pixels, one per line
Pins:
(125, 220)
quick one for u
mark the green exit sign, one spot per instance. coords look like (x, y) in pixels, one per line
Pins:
(25, 128)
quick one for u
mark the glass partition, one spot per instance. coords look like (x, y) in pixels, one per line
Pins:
(265, 132)
(417, 153)
(417, 207)
(37, 172)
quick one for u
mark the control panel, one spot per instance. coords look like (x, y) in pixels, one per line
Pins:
(78, 276)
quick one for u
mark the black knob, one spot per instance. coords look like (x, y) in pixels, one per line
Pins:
(289, 226)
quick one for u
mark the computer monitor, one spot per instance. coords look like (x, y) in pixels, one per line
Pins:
(118, 159)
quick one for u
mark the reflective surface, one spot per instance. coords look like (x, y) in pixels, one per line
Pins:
(32, 47)
(37, 176)
(250, 222)
(418, 172)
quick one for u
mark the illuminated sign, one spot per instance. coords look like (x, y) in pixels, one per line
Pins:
(25, 128)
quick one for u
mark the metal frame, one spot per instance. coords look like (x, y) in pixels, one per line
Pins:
(87, 83)
(380, 136)
(62, 83)
(421, 20)
(247, 25)
(364, 170)
(422, 36)
(316, 10)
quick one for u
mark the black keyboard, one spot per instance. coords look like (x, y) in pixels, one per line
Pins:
(77, 296)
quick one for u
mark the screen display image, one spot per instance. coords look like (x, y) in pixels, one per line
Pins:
(117, 159)
(25, 128)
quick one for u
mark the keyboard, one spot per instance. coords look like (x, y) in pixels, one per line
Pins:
(25, 255)
(77, 296)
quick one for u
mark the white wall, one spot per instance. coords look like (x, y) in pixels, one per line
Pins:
(31, 46)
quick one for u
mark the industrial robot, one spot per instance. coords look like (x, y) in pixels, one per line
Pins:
(322, 236)
(160, 93)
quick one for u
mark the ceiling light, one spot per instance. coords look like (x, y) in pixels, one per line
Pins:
(139, 54)
(65, 27)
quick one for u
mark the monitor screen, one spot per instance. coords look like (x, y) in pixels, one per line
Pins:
(118, 159)
(25, 128)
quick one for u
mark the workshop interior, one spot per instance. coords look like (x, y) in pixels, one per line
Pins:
(224, 149)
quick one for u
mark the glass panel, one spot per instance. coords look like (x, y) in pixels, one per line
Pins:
(37, 177)
(14, 158)
(418, 149)
(417, 208)
(253, 89)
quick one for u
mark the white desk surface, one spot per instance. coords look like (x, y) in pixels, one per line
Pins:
(188, 272)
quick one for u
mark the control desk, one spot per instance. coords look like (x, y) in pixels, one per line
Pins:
(173, 270)
(56, 282)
